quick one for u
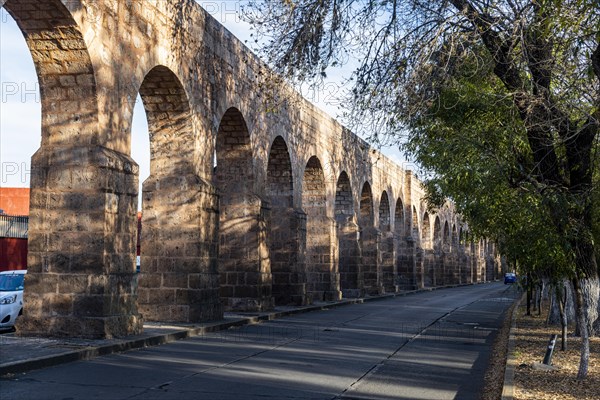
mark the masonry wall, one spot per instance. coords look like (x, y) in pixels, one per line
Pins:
(287, 228)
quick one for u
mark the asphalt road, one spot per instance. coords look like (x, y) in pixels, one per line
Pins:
(432, 345)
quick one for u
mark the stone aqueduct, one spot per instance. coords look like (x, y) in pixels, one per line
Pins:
(296, 210)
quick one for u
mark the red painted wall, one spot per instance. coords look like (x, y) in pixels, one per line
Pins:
(139, 232)
(13, 254)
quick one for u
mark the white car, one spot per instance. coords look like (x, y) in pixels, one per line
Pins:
(11, 297)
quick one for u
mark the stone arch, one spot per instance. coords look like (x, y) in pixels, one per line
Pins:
(313, 195)
(464, 254)
(446, 237)
(404, 249)
(344, 200)
(75, 173)
(320, 229)
(416, 234)
(426, 232)
(428, 254)
(235, 171)
(399, 220)
(244, 267)
(169, 122)
(366, 206)
(63, 63)
(459, 250)
(388, 268)
(454, 240)
(370, 243)
(280, 184)
(474, 259)
(349, 249)
(449, 264)
(287, 229)
(385, 221)
(437, 264)
(178, 212)
(437, 234)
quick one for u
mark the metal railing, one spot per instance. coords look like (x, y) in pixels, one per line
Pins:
(14, 226)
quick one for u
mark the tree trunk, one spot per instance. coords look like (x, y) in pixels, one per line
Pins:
(561, 297)
(528, 294)
(553, 317)
(590, 289)
(585, 285)
(582, 323)
(540, 295)
(570, 296)
(596, 325)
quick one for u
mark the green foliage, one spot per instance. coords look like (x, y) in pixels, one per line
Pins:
(474, 146)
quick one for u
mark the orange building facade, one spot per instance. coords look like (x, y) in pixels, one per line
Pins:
(14, 221)
(14, 201)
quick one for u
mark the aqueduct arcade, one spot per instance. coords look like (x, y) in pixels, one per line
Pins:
(256, 198)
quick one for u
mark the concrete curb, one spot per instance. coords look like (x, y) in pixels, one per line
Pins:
(122, 345)
(508, 389)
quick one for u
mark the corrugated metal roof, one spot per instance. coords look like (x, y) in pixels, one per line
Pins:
(14, 226)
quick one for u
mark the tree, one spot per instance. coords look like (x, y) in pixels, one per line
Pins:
(473, 139)
(544, 56)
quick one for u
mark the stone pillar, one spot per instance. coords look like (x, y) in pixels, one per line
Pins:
(475, 267)
(351, 278)
(490, 266)
(456, 267)
(389, 268)
(322, 267)
(429, 268)
(465, 265)
(468, 266)
(420, 267)
(480, 269)
(244, 264)
(179, 280)
(439, 267)
(287, 249)
(406, 263)
(458, 270)
(335, 291)
(451, 275)
(370, 241)
(81, 279)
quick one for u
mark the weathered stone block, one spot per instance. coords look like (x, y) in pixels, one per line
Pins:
(89, 306)
(58, 304)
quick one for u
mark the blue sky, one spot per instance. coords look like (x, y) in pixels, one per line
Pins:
(20, 110)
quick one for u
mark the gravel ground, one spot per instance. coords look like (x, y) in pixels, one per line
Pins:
(532, 337)
(531, 342)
